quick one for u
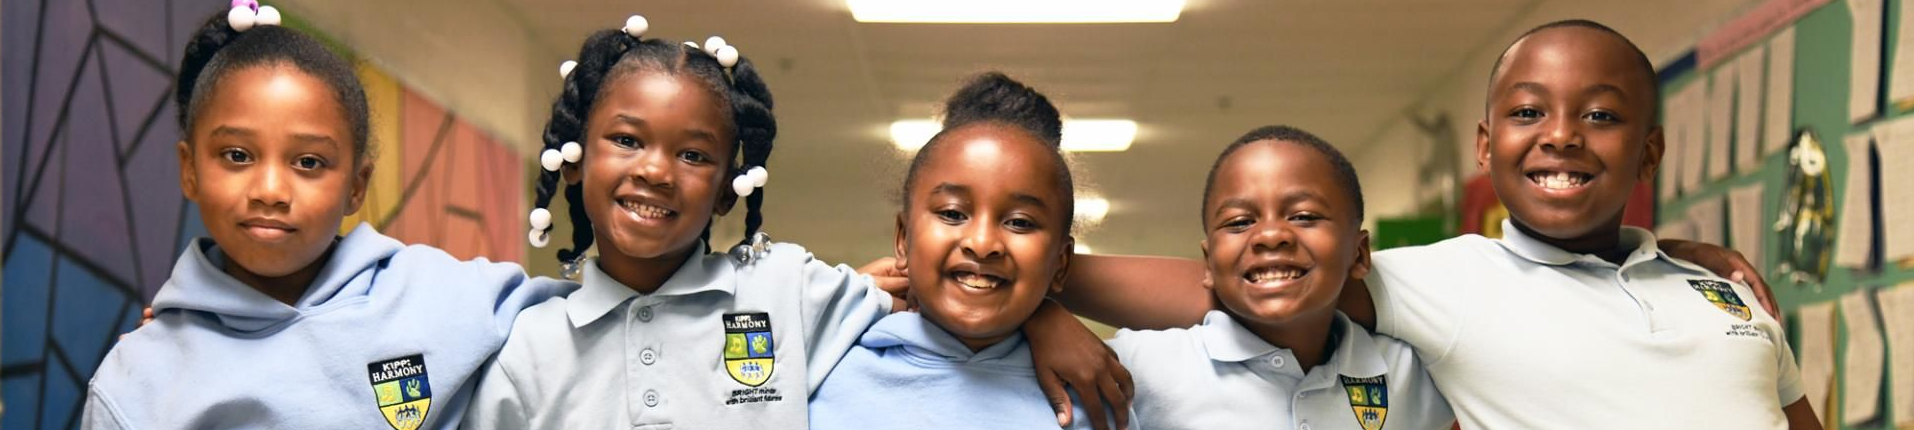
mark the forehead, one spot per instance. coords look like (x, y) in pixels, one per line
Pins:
(1269, 168)
(1003, 157)
(673, 98)
(273, 91)
(1574, 54)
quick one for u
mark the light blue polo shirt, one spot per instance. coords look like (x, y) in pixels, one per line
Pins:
(908, 373)
(719, 346)
(387, 336)
(1219, 375)
(1521, 334)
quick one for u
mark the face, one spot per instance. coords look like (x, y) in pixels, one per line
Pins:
(983, 232)
(1569, 132)
(271, 163)
(1282, 235)
(657, 150)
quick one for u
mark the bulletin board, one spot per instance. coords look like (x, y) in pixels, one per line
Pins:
(1823, 54)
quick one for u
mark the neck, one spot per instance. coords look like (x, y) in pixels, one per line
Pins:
(1604, 242)
(1307, 336)
(287, 288)
(644, 275)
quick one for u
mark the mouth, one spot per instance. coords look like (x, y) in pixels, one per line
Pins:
(978, 281)
(1274, 274)
(645, 211)
(1560, 180)
(267, 229)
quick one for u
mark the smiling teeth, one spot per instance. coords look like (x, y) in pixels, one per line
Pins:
(977, 281)
(1275, 274)
(647, 211)
(1559, 180)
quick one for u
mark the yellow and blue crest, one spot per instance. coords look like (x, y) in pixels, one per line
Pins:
(748, 348)
(1369, 399)
(1723, 296)
(403, 391)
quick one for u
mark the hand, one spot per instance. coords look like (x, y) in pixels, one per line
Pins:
(1066, 352)
(146, 316)
(884, 271)
(1726, 263)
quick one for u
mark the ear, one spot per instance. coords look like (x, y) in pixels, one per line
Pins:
(1359, 268)
(360, 179)
(1063, 263)
(1651, 154)
(726, 197)
(1482, 145)
(900, 245)
(1208, 282)
(188, 179)
(569, 172)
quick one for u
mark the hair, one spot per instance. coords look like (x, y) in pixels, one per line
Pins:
(216, 50)
(1647, 68)
(1345, 173)
(610, 55)
(993, 98)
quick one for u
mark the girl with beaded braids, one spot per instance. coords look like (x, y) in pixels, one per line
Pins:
(651, 140)
(276, 321)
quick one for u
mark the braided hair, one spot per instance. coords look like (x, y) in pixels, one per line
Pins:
(609, 55)
(996, 99)
(217, 50)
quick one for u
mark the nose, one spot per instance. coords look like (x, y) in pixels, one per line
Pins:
(1563, 132)
(271, 188)
(1273, 236)
(982, 239)
(653, 168)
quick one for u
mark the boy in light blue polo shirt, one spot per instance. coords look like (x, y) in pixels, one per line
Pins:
(1282, 216)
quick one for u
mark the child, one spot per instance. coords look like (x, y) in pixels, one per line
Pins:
(1282, 217)
(276, 322)
(1572, 320)
(663, 334)
(986, 227)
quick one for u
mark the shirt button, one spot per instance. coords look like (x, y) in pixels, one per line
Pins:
(1305, 426)
(651, 398)
(1276, 361)
(644, 314)
(647, 356)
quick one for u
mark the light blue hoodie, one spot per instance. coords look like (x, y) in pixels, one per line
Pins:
(907, 373)
(387, 336)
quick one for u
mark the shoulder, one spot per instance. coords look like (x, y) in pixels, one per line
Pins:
(1149, 351)
(1448, 249)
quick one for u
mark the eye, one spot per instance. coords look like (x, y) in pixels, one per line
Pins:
(309, 162)
(1602, 117)
(626, 141)
(1305, 218)
(694, 157)
(1238, 224)
(951, 216)
(1021, 225)
(236, 156)
(1526, 113)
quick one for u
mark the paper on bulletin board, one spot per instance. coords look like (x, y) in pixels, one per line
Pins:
(1675, 140)
(1749, 85)
(1897, 316)
(1855, 231)
(1896, 155)
(1693, 133)
(1864, 73)
(1817, 354)
(1676, 229)
(1779, 124)
(1721, 121)
(1862, 374)
(1902, 75)
(1705, 214)
(1744, 221)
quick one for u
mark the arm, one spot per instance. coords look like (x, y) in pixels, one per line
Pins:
(1801, 416)
(497, 403)
(1136, 292)
(1064, 351)
(99, 414)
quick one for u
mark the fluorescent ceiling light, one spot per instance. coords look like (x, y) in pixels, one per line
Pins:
(1091, 208)
(1015, 11)
(1082, 249)
(1079, 135)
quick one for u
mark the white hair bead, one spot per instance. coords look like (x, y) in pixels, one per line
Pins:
(267, 15)
(539, 238)
(712, 44)
(541, 218)
(565, 69)
(742, 185)
(727, 56)
(572, 152)
(551, 160)
(759, 176)
(241, 18)
(636, 25)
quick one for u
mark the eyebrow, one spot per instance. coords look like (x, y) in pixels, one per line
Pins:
(315, 139)
(1233, 202)
(1286, 199)
(949, 188)
(1030, 200)
(696, 133)
(299, 138)
(1591, 90)
(227, 130)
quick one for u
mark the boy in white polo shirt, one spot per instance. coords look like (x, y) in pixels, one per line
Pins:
(1572, 320)
(1282, 221)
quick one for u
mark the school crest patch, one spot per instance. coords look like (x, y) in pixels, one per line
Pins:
(748, 348)
(1723, 296)
(403, 391)
(1369, 399)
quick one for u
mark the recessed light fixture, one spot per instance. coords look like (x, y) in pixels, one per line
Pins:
(1082, 249)
(1079, 135)
(1092, 208)
(1015, 11)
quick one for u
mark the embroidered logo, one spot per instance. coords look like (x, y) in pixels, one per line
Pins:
(1369, 399)
(1723, 296)
(403, 391)
(748, 348)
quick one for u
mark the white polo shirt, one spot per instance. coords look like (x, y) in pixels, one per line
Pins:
(718, 346)
(1521, 334)
(1218, 375)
